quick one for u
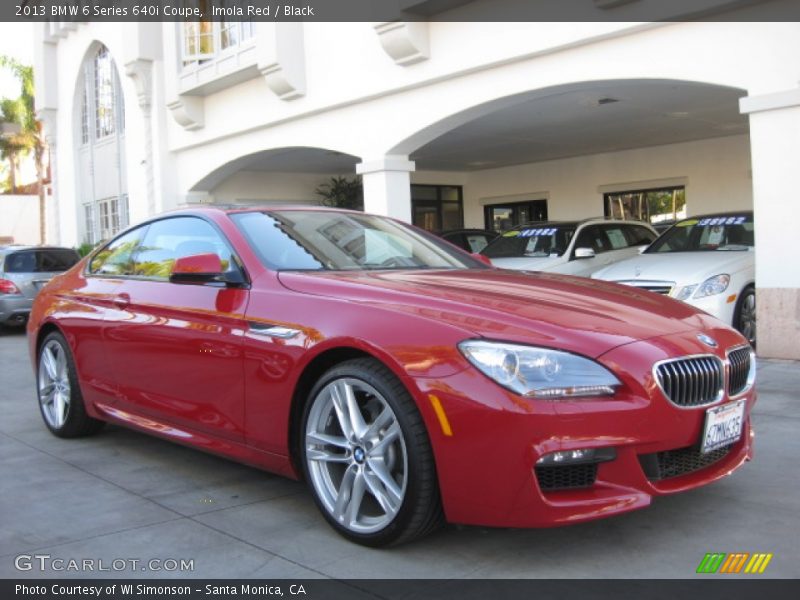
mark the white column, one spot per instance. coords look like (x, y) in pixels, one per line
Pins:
(775, 155)
(387, 186)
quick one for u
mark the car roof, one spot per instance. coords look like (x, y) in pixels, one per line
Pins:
(579, 222)
(467, 230)
(17, 248)
(726, 213)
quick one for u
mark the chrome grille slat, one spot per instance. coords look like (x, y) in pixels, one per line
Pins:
(657, 287)
(691, 381)
(739, 370)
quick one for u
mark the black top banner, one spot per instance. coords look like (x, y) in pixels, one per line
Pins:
(399, 10)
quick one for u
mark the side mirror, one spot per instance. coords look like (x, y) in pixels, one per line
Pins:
(482, 258)
(199, 268)
(584, 253)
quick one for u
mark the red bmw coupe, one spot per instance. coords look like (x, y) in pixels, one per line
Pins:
(405, 381)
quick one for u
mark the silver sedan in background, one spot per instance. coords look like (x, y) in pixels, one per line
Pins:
(24, 270)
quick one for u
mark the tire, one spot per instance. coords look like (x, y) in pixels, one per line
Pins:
(379, 453)
(60, 398)
(744, 315)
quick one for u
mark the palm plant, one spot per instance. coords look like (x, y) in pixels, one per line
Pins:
(22, 111)
(341, 192)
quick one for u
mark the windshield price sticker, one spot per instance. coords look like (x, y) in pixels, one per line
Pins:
(541, 232)
(722, 221)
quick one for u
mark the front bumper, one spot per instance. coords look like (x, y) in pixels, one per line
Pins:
(487, 466)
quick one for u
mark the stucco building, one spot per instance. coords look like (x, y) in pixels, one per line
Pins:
(450, 124)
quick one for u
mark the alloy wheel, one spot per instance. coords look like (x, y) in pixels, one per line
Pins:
(747, 317)
(54, 386)
(356, 455)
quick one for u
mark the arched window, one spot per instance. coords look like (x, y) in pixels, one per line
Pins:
(102, 98)
(101, 148)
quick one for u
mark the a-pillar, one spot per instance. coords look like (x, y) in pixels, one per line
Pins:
(387, 186)
(775, 155)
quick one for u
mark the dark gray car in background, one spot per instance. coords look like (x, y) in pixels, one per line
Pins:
(24, 270)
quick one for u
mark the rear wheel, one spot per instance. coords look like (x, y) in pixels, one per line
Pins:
(367, 457)
(744, 316)
(60, 398)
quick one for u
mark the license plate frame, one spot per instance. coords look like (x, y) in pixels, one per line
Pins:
(723, 426)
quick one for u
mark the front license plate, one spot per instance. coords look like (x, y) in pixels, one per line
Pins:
(723, 426)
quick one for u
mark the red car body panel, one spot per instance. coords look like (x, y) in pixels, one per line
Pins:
(185, 362)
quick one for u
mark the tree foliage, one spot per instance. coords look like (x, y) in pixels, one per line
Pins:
(20, 111)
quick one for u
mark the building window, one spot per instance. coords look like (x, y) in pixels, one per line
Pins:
(654, 206)
(84, 118)
(101, 98)
(105, 218)
(204, 40)
(437, 207)
(499, 217)
(104, 93)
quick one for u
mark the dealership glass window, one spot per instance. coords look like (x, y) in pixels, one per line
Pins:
(654, 206)
(504, 216)
(437, 207)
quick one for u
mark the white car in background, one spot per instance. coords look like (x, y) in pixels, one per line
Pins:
(569, 247)
(706, 261)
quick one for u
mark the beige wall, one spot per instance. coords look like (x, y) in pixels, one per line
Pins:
(19, 218)
(270, 187)
(716, 173)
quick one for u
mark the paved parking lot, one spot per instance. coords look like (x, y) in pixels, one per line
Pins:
(124, 495)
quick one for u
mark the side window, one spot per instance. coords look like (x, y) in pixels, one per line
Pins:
(639, 236)
(476, 242)
(116, 257)
(173, 238)
(592, 237)
(616, 237)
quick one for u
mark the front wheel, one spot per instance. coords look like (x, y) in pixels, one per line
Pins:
(60, 399)
(367, 457)
(744, 316)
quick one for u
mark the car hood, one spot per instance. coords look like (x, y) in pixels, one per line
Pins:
(690, 267)
(572, 313)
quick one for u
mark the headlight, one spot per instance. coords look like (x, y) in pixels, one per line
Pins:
(713, 285)
(686, 292)
(710, 287)
(539, 372)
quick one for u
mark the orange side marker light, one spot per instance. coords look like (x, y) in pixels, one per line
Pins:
(444, 423)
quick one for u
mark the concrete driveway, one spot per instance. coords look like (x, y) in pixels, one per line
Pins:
(125, 496)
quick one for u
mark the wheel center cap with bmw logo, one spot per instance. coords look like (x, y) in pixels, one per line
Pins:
(359, 455)
(708, 341)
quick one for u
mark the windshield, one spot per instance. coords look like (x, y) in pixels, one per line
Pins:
(721, 233)
(327, 240)
(532, 241)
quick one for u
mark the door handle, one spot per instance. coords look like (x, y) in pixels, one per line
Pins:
(121, 300)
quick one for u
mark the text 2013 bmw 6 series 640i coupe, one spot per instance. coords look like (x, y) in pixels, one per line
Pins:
(405, 381)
